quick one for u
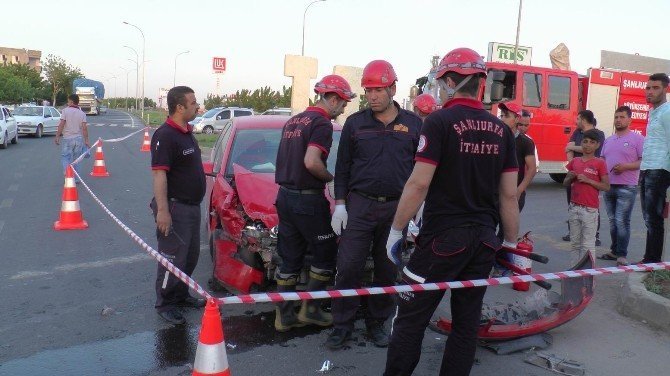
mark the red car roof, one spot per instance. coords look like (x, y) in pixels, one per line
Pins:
(266, 122)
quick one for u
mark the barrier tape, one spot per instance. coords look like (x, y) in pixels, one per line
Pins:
(305, 295)
(125, 137)
(85, 154)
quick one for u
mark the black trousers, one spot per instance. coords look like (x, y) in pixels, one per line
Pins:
(367, 230)
(304, 225)
(182, 248)
(454, 255)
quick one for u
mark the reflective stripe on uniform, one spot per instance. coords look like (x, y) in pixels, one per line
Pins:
(414, 277)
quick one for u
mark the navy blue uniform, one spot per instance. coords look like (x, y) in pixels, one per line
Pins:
(470, 149)
(373, 163)
(176, 151)
(302, 207)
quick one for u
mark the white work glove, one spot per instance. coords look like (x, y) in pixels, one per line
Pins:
(331, 188)
(339, 221)
(395, 246)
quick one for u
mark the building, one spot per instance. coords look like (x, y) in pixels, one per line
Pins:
(21, 56)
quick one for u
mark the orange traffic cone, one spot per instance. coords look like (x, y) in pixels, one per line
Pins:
(99, 168)
(70, 213)
(210, 357)
(146, 144)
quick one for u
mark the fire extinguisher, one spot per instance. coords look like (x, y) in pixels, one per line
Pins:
(524, 244)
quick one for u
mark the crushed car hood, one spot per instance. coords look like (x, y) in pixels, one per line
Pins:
(257, 193)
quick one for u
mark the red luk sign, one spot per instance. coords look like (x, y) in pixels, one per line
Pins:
(219, 64)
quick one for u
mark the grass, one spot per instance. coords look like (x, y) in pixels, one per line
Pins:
(658, 282)
(156, 117)
(206, 140)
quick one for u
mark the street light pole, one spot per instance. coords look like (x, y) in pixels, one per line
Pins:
(518, 30)
(137, 75)
(303, 25)
(127, 74)
(174, 77)
(143, 60)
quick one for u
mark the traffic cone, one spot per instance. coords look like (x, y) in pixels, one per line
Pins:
(146, 144)
(70, 213)
(99, 169)
(210, 357)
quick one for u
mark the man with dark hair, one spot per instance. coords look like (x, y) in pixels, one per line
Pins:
(466, 171)
(655, 166)
(304, 212)
(622, 153)
(74, 130)
(585, 121)
(179, 186)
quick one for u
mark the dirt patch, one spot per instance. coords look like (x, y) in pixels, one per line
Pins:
(658, 282)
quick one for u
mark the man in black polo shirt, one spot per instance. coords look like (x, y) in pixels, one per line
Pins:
(179, 186)
(374, 159)
(465, 166)
(304, 211)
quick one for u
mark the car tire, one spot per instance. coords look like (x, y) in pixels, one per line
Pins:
(558, 178)
(208, 130)
(15, 140)
(39, 132)
(4, 142)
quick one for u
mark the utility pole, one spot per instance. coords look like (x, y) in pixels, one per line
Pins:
(518, 30)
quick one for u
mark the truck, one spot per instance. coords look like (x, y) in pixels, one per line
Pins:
(90, 94)
(554, 97)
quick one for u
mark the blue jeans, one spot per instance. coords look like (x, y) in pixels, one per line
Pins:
(71, 149)
(653, 185)
(619, 202)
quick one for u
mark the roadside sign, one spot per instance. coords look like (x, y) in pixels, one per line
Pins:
(504, 53)
(219, 64)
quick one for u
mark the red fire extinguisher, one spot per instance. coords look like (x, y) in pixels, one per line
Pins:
(524, 244)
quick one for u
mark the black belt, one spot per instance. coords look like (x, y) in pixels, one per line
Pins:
(185, 202)
(378, 198)
(303, 191)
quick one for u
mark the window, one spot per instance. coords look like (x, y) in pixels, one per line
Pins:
(55, 113)
(255, 150)
(223, 115)
(559, 92)
(508, 83)
(243, 113)
(532, 89)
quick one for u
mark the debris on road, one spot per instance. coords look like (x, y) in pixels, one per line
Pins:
(538, 341)
(327, 366)
(106, 311)
(556, 364)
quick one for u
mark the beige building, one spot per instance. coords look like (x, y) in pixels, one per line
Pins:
(21, 56)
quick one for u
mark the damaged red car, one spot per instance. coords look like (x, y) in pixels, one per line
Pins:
(241, 192)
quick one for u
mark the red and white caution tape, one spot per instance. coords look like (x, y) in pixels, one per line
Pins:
(165, 262)
(86, 153)
(280, 297)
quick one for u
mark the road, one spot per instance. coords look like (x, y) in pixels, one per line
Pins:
(81, 302)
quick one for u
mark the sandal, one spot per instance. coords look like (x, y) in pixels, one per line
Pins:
(621, 261)
(607, 256)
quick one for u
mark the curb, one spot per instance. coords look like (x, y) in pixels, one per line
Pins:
(638, 303)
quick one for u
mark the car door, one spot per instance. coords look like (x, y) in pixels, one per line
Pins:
(54, 120)
(221, 119)
(11, 124)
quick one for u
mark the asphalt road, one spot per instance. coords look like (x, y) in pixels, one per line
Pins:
(81, 302)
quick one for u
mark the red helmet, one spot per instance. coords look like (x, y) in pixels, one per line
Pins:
(511, 107)
(378, 73)
(425, 103)
(335, 84)
(462, 61)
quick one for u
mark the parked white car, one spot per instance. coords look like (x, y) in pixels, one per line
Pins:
(37, 120)
(214, 119)
(8, 130)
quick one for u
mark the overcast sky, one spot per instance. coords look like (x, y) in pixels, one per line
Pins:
(254, 35)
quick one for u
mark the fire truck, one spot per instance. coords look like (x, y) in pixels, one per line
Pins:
(554, 97)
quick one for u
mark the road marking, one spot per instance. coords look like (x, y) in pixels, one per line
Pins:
(98, 125)
(83, 265)
(2, 224)
(13, 188)
(6, 203)
(112, 125)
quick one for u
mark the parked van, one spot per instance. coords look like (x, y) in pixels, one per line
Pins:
(214, 119)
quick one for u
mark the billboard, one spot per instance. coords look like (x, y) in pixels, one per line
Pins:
(504, 53)
(219, 64)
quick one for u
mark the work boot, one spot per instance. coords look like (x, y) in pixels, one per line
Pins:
(285, 318)
(337, 338)
(377, 334)
(311, 312)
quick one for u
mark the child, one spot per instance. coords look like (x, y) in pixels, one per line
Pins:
(587, 175)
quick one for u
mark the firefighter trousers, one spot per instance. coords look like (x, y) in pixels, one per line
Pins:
(456, 254)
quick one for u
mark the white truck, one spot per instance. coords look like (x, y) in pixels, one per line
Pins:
(88, 101)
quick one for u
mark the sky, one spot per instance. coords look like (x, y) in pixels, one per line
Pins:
(254, 35)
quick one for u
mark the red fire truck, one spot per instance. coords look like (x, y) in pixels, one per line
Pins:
(554, 97)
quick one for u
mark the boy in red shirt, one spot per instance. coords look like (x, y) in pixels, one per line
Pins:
(587, 175)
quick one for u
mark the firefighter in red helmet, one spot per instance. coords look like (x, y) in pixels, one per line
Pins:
(424, 105)
(466, 171)
(302, 207)
(374, 159)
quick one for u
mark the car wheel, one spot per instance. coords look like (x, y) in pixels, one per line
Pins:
(15, 140)
(558, 178)
(208, 130)
(38, 132)
(4, 142)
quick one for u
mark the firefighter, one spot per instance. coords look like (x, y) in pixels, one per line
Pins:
(466, 171)
(424, 105)
(302, 207)
(374, 159)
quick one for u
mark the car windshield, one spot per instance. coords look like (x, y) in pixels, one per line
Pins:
(28, 111)
(211, 112)
(256, 150)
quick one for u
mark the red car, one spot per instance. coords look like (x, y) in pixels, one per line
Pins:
(241, 193)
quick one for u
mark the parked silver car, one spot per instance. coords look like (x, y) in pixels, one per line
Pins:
(8, 131)
(216, 118)
(37, 120)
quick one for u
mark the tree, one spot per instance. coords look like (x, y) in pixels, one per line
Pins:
(60, 75)
(13, 88)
